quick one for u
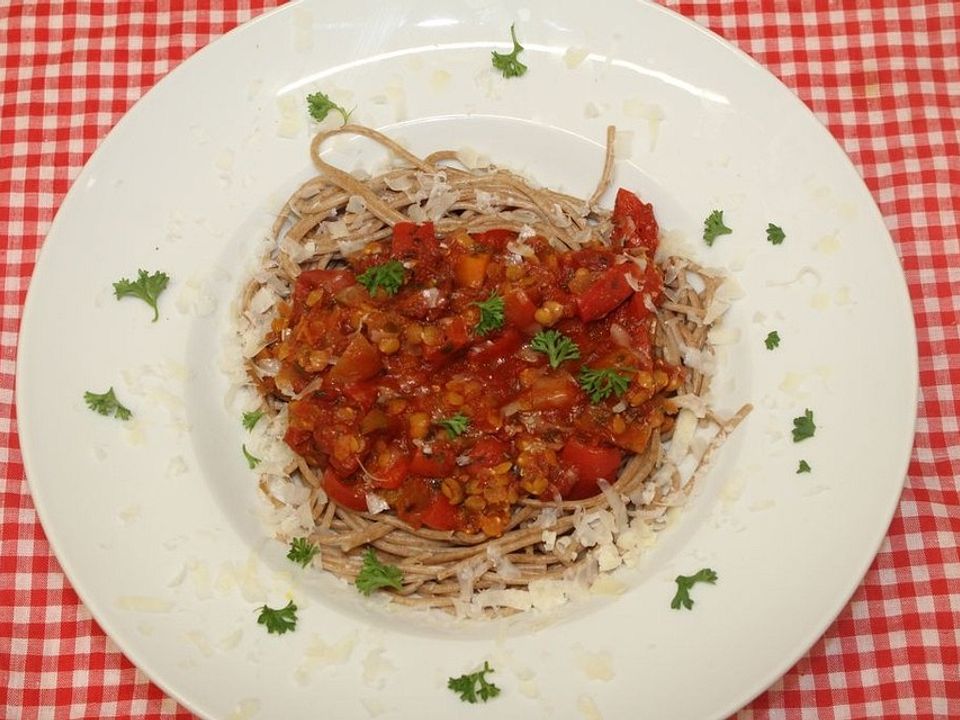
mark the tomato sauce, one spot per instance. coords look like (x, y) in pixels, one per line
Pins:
(413, 393)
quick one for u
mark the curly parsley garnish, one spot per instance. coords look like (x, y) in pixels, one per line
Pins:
(772, 340)
(508, 64)
(601, 383)
(803, 467)
(252, 461)
(146, 287)
(685, 582)
(106, 403)
(803, 426)
(491, 314)
(713, 227)
(250, 419)
(375, 574)
(302, 551)
(455, 425)
(474, 685)
(556, 346)
(388, 276)
(775, 234)
(280, 620)
(320, 106)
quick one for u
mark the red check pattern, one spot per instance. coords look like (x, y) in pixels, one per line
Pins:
(883, 75)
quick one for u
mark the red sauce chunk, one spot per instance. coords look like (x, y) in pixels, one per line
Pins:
(422, 370)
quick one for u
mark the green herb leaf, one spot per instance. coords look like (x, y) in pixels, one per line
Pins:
(280, 620)
(803, 426)
(320, 106)
(250, 419)
(508, 64)
(601, 383)
(491, 314)
(146, 287)
(474, 685)
(685, 582)
(455, 425)
(803, 467)
(713, 227)
(375, 574)
(389, 276)
(302, 551)
(556, 346)
(251, 460)
(775, 235)
(772, 340)
(106, 403)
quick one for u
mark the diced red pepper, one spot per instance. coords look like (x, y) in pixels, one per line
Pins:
(497, 350)
(393, 476)
(634, 224)
(606, 293)
(349, 496)
(333, 281)
(518, 311)
(436, 465)
(412, 239)
(592, 463)
(360, 361)
(441, 514)
(456, 336)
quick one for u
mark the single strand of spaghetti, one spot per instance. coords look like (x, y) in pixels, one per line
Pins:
(607, 173)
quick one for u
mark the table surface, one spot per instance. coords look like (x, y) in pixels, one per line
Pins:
(883, 76)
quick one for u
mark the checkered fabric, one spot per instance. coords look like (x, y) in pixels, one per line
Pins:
(883, 75)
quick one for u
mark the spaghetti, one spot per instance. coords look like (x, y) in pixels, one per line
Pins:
(353, 374)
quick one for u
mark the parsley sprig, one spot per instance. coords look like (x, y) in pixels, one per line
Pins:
(147, 287)
(685, 582)
(772, 340)
(302, 551)
(508, 63)
(106, 404)
(803, 467)
(556, 346)
(319, 106)
(601, 383)
(491, 314)
(279, 620)
(474, 685)
(775, 234)
(803, 426)
(455, 425)
(388, 276)
(250, 419)
(713, 227)
(252, 460)
(374, 574)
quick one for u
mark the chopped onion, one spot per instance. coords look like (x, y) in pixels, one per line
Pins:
(376, 504)
(619, 335)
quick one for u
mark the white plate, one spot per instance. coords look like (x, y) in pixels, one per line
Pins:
(154, 520)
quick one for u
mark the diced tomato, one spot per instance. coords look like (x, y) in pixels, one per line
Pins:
(554, 391)
(333, 281)
(496, 239)
(606, 293)
(393, 476)
(497, 350)
(592, 463)
(349, 496)
(360, 361)
(436, 465)
(488, 452)
(518, 311)
(441, 514)
(634, 224)
(362, 393)
(470, 269)
(456, 336)
(411, 239)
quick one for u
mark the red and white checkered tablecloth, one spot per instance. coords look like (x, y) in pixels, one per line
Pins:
(883, 75)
